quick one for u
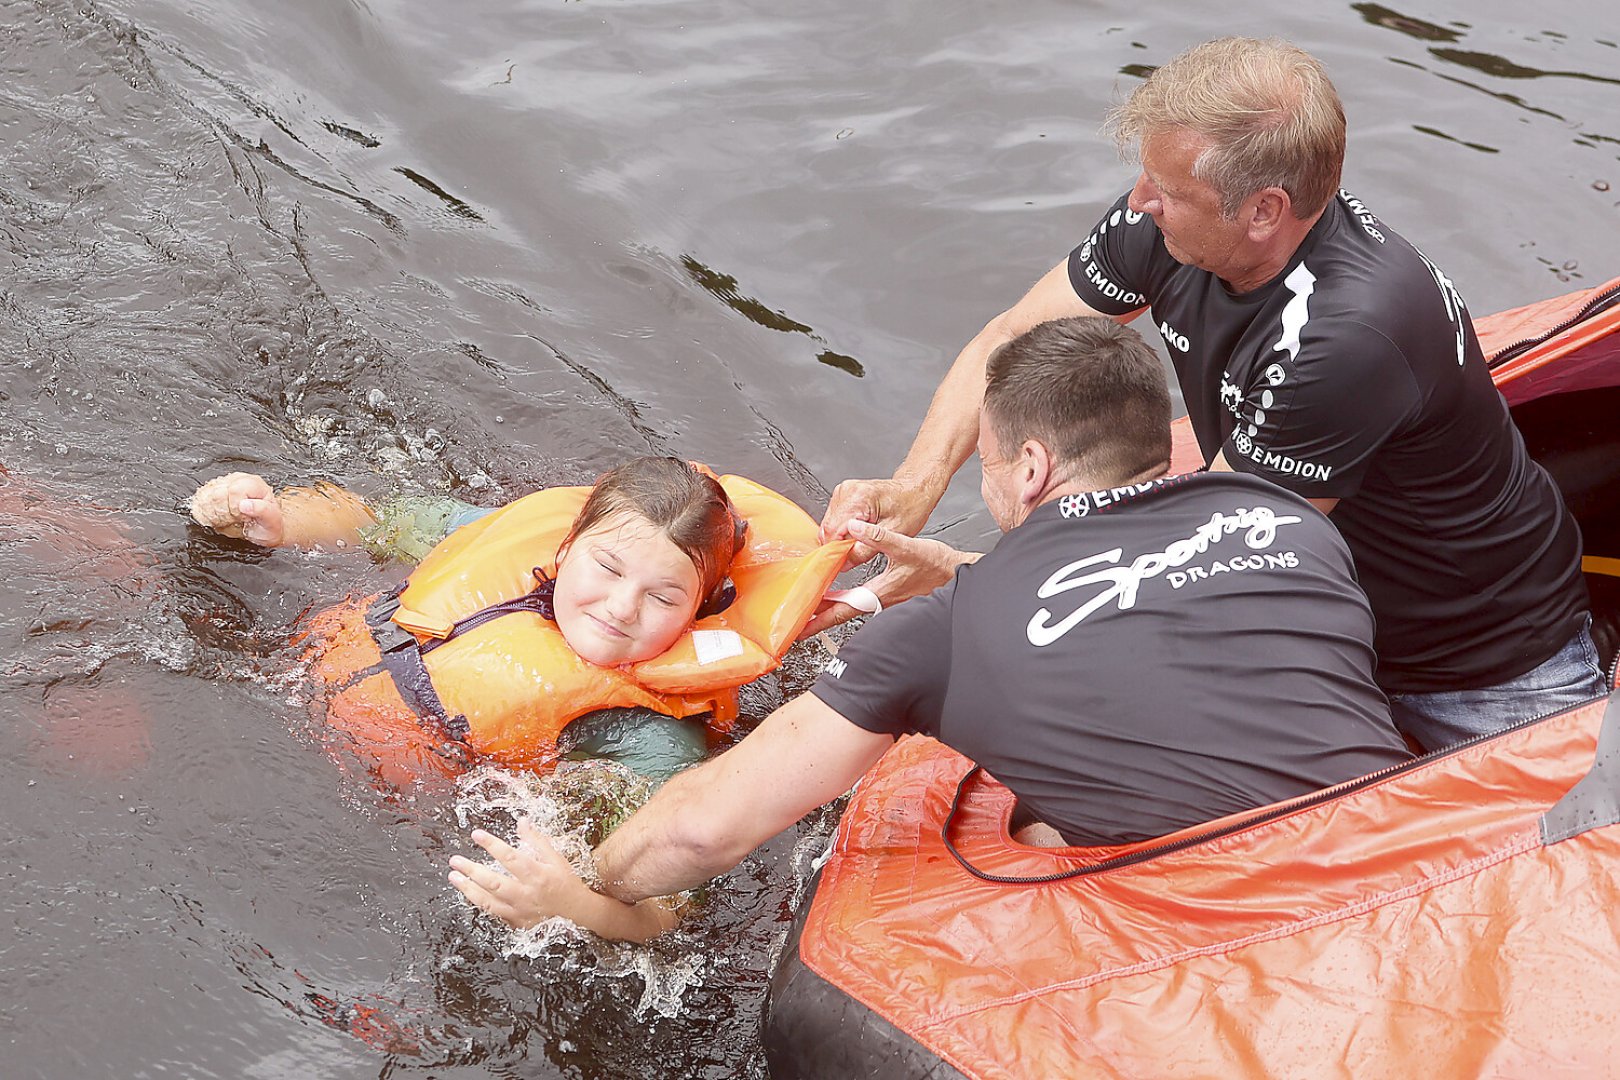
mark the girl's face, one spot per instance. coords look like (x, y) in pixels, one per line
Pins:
(625, 593)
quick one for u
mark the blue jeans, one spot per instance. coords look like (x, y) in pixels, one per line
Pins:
(1572, 676)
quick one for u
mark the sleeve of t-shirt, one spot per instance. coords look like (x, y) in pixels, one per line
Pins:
(1113, 269)
(1313, 419)
(890, 677)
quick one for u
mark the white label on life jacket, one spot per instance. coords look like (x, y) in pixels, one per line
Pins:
(713, 646)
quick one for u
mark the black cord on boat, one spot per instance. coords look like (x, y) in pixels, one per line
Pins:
(1592, 307)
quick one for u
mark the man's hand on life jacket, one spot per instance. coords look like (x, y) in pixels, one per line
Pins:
(915, 567)
(242, 505)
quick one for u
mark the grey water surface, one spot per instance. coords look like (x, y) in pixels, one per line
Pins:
(484, 247)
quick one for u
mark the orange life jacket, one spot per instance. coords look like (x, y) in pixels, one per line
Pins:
(509, 685)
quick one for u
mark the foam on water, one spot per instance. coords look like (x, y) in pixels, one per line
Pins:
(577, 804)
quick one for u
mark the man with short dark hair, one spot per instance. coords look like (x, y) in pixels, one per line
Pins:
(1139, 653)
(1319, 350)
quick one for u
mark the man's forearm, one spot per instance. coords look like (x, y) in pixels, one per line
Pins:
(705, 820)
(950, 432)
(651, 854)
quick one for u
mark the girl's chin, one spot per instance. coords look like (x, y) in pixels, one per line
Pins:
(601, 653)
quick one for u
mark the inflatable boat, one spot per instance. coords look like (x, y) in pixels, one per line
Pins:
(1455, 916)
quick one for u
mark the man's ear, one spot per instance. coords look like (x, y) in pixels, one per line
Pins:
(1266, 211)
(1035, 469)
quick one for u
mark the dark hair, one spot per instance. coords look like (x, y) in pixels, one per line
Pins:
(686, 503)
(1087, 388)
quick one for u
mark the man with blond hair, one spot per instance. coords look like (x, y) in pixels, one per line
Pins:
(1319, 350)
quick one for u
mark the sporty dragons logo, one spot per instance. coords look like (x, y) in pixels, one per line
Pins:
(1115, 584)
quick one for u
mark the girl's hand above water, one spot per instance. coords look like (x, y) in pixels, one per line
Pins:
(536, 883)
(241, 505)
(244, 505)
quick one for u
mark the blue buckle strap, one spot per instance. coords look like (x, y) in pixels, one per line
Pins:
(402, 659)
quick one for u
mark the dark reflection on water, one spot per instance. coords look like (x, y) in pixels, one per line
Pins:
(1379, 15)
(1502, 68)
(1425, 129)
(1511, 99)
(457, 207)
(724, 286)
(484, 248)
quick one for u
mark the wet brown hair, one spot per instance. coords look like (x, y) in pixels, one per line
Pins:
(1267, 108)
(683, 502)
(1090, 390)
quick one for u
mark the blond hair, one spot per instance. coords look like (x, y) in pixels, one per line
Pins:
(1267, 108)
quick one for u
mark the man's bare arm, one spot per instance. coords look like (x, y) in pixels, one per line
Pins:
(950, 431)
(705, 820)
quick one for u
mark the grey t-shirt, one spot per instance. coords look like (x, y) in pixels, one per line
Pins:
(1135, 661)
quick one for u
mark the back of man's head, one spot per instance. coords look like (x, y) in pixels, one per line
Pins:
(1089, 390)
(1267, 108)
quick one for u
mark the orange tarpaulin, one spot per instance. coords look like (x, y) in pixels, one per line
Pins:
(1551, 366)
(1417, 926)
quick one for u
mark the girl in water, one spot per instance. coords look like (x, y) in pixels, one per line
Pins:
(655, 539)
(561, 624)
(591, 653)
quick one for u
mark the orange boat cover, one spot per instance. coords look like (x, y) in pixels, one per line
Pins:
(1414, 924)
(1552, 366)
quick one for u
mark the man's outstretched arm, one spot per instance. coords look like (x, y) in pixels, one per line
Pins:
(950, 431)
(702, 823)
(706, 820)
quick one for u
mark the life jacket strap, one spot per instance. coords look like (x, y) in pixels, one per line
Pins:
(538, 600)
(402, 658)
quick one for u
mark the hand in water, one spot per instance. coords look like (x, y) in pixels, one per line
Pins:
(915, 567)
(893, 504)
(536, 884)
(241, 505)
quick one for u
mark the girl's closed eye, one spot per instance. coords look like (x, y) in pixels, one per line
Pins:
(653, 539)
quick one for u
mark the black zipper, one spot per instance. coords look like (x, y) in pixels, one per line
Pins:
(1590, 308)
(1324, 796)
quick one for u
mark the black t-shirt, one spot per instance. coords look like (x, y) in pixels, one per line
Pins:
(1131, 662)
(1355, 374)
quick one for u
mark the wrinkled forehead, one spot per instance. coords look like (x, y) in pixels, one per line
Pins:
(1172, 148)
